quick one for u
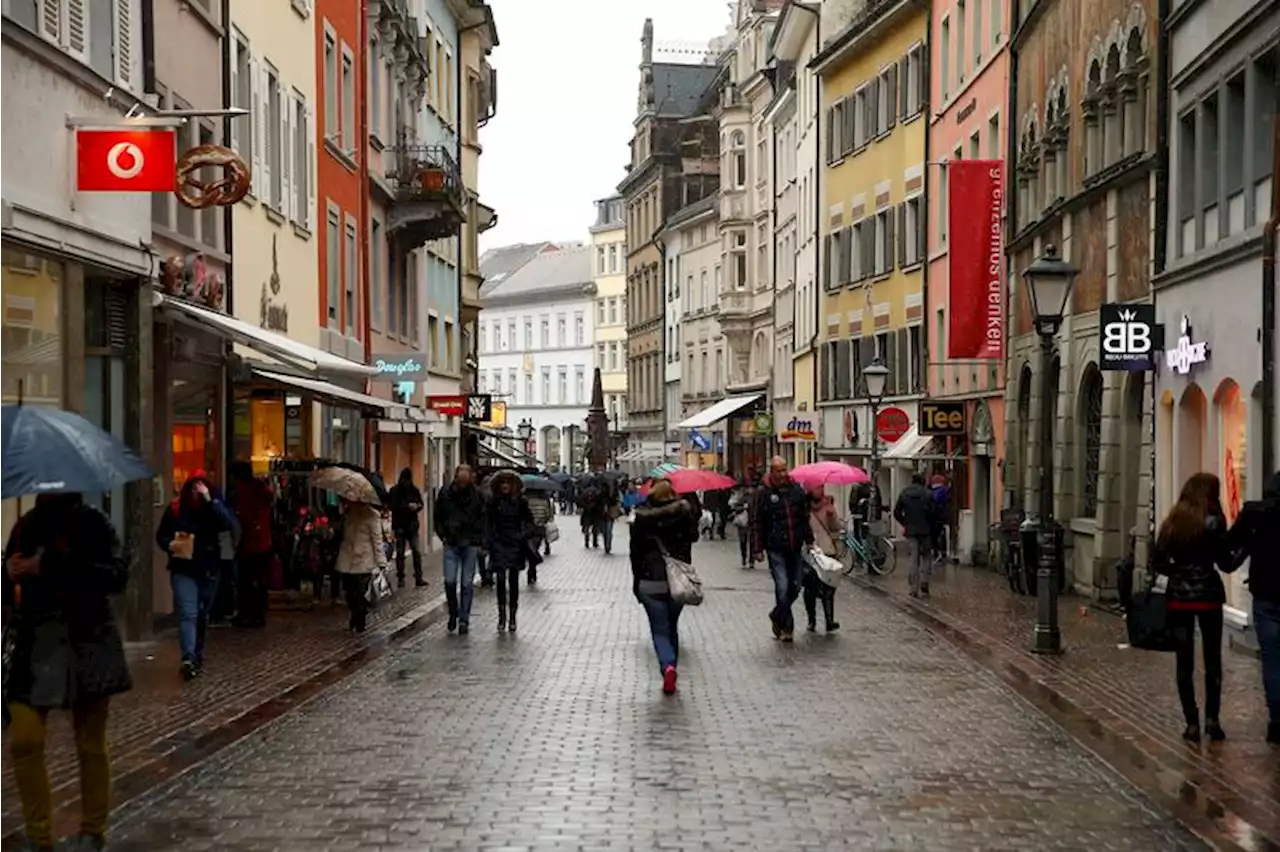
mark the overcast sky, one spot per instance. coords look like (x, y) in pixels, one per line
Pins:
(567, 83)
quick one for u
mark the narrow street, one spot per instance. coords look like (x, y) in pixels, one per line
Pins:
(880, 737)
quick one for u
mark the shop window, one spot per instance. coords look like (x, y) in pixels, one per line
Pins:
(1233, 420)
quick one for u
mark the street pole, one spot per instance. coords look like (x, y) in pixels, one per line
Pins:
(875, 467)
(1048, 638)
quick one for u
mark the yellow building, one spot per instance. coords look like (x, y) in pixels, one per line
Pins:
(609, 272)
(874, 121)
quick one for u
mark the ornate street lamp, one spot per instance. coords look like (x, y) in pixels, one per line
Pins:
(1048, 281)
(876, 376)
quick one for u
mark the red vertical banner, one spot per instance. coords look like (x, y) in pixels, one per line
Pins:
(976, 296)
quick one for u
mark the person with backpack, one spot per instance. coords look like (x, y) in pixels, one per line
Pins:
(406, 503)
(740, 513)
(591, 501)
(1256, 536)
(917, 512)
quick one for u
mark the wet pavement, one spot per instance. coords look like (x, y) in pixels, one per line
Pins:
(882, 737)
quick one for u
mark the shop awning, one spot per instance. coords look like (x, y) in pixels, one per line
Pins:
(910, 446)
(269, 343)
(337, 393)
(719, 411)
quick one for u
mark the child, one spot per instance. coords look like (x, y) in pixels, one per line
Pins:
(826, 527)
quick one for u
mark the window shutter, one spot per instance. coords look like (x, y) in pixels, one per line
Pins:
(923, 82)
(264, 96)
(902, 234)
(124, 43)
(77, 35)
(826, 261)
(258, 126)
(891, 386)
(846, 255)
(902, 368)
(50, 24)
(850, 124)
(922, 230)
(831, 136)
(869, 248)
(288, 205)
(890, 220)
(873, 101)
(891, 97)
(309, 169)
(904, 85)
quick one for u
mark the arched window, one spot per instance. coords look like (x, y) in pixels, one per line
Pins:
(1133, 94)
(738, 157)
(1093, 119)
(1112, 125)
(1090, 439)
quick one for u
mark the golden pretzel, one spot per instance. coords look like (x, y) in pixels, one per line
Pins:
(226, 190)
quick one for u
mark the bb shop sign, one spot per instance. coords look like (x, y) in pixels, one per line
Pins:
(1129, 336)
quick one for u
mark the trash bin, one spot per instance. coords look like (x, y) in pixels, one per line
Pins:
(1028, 533)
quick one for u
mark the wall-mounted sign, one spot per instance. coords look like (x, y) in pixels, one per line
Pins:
(447, 405)
(1128, 337)
(188, 277)
(479, 408)
(1185, 354)
(795, 428)
(273, 314)
(850, 428)
(892, 424)
(399, 367)
(942, 418)
(762, 424)
(498, 419)
(699, 441)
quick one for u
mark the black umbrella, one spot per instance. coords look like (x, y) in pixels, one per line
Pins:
(559, 476)
(534, 483)
(46, 451)
(375, 479)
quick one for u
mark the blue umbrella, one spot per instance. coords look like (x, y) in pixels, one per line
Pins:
(45, 451)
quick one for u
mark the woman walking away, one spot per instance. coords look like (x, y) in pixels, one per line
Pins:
(62, 562)
(510, 534)
(1256, 535)
(666, 525)
(740, 510)
(1191, 545)
(826, 531)
(360, 552)
(191, 532)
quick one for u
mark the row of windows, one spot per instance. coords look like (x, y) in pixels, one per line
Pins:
(492, 338)
(900, 350)
(872, 110)
(610, 259)
(611, 356)
(611, 311)
(893, 237)
(962, 37)
(702, 375)
(518, 392)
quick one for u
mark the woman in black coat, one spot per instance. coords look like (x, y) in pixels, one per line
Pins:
(510, 530)
(666, 525)
(62, 564)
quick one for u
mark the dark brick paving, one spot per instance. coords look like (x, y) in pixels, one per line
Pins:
(244, 669)
(882, 737)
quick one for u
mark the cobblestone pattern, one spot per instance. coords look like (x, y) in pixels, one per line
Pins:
(881, 737)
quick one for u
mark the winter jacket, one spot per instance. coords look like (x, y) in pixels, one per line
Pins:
(510, 528)
(252, 504)
(1192, 568)
(671, 527)
(206, 523)
(917, 511)
(67, 646)
(540, 506)
(1256, 535)
(361, 549)
(827, 529)
(402, 496)
(781, 521)
(459, 516)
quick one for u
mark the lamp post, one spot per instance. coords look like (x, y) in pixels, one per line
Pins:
(1048, 281)
(525, 430)
(876, 375)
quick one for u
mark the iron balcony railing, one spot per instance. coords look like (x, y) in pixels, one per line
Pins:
(424, 173)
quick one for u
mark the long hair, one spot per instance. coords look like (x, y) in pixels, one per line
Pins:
(1200, 499)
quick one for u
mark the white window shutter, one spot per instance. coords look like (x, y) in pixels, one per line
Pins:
(124, 42)
(311, 212)
(257, 126)
(77, 38)
(264, 86)
(51, 15)
(288, 207)
(236, 133)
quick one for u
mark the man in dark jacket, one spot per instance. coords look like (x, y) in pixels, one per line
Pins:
(459, 520)
(917, 512)
(406, 503)
(252, 500)
(1256, 535)
(782, 531)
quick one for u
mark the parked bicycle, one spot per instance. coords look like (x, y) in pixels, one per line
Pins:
(872, 553)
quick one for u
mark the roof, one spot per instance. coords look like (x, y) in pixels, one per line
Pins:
(498, 263)
(546, 272)
(677, 89)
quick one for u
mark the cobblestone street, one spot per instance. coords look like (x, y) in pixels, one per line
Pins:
(880, 737)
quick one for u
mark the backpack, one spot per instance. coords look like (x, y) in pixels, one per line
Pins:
(590, 496)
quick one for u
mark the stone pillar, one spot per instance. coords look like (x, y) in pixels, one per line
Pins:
(138, 604)
(597, 426)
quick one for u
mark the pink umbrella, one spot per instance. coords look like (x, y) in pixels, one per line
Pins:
(828, 473)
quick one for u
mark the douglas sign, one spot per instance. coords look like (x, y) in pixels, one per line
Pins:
(398, 367)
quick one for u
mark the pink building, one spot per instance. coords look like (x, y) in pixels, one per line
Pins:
(969, 64)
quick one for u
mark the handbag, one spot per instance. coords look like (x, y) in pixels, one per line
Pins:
(825, 568)
(9, 643)
(379, 588)
(551, 532)
(1147, 619)
(683, 582)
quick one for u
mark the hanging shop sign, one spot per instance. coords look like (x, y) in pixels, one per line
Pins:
(892, 424)
(188, 277)
(121, 160)
(272, 313)
(498, 419)
(795, 428)
(762, 424)
(479, 408)
(1128, 337)
(447, 405)
(699, 441)
(976, 302)
(942, 418)
(399, 367)
(1186, 354)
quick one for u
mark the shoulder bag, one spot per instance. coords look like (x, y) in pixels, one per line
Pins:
(1147, 618)
(682, 579)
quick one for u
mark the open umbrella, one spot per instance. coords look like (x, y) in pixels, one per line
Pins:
(687, 480)
(663, 469)
(535, 483)
(352, 483)
(559, 476)
(46, 450)
(822, 473)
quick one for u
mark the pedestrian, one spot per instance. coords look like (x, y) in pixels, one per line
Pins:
(826, 526)
(62, 562)
(590, 499)
(782, 531)
(917, 512)
(509, 534)
(1192, 545)
(665, 525)
(192, 532)
(940, 488)
(252, 501)
(543, 514)
(610, 511)
(1256, 536)
(460, 524)
(406, 503)
(717, 503)
(741, 502)
(360, 552)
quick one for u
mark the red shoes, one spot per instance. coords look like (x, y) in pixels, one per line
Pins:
(669, 680)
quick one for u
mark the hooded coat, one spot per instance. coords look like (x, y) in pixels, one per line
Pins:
(361, 549)
(1256, 535)
(670, 526)
(403, 495)
(509, 524)
(206, 521)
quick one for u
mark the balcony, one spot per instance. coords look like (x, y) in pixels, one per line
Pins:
(428, 197)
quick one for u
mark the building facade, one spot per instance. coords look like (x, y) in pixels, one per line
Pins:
(609, 244)
(874, 95)
(969, 70)
(1222, 104)
(1081, 164)
(537, 350)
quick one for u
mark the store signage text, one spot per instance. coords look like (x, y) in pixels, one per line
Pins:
(273, 315)
(892, 424)
(1129, 337)
(942, 418)
(398, 367)
(447, 405)
(794, 428)
(1185, 354)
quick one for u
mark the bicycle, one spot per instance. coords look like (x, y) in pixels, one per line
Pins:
(875, 554)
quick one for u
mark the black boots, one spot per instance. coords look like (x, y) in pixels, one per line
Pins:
(829, 612)
(502, 619)
(511, 621)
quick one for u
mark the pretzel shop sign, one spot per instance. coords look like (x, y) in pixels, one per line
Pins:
(892, 424)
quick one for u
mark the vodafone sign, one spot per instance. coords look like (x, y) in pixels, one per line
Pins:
(125, 160)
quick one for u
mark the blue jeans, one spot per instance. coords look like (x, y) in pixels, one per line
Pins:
(1266, 621)
(192, 600)
(604, 529)
(788, 572)
(664, 614)
(460, 565)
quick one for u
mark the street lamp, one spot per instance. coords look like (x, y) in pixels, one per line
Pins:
(876, 376)
(1048, 281)
(525, 430)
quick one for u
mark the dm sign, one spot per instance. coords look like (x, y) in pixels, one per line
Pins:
(941, 418)
(795, 428)
(1129, 337)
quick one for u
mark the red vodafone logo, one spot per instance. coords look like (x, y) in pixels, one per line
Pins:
(892, 424)
(125, 160)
